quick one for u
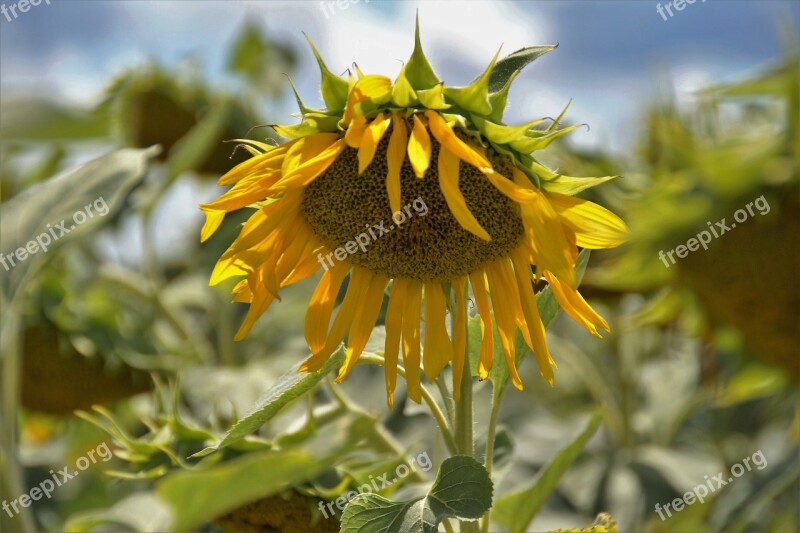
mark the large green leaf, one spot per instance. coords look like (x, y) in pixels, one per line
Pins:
(29, 220)
(462, 489)
(516, 510)
(289, 387)
(186, 500)
(514, 62)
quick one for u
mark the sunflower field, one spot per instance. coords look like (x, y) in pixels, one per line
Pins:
(346, 266)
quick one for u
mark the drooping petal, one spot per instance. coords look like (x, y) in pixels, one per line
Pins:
(419, 148)
(394, 325)
(505, 300)
(394, 160)
(363, 322)
(575, 306)
(548, 238)
(478, 282)
(411, 348)
(437, 349)
(595, 227)
(369, 141)
(320, 308)
(353, 298)
(533, 320)
(355, 132)
(448, 182)
(448, 139)
(261, 300)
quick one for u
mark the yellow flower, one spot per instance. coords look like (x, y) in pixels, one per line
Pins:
(423, 187)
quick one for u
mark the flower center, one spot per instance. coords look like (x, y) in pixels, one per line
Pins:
(422, 241)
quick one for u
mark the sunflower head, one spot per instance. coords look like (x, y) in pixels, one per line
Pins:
(420, 186)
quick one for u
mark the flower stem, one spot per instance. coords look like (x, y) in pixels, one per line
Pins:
(464, 442)
(463, 429)
(497, 396)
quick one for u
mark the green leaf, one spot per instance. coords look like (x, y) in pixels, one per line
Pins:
(334, 89)
(500, 134)
(193, 148)
(554, 182)
(403, 94)
(418, 70)
(516, 511)
(462, 490)
(506, 68)
(499, 99)
(186, 500)
(475, 96)
(37, 210)
(289, 387)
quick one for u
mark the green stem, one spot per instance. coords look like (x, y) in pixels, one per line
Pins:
(436, 411)
(12, 482)
(489, 461)
(464, 439)
(463, 426)
(447, 398)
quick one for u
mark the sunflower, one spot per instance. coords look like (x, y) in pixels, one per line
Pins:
(488, 219)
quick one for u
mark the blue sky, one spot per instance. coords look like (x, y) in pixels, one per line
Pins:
(608, 57)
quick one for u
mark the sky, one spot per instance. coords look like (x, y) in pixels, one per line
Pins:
(609, 54)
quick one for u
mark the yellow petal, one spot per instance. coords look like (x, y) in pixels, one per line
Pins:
(394, 325)
(459, 336)
(533, 320)
(484, 310)
(576, 307)
(261, 300)
(271, 160)
(359, 281)
(448, 139)
(448, 182)
(373, 88)
(363, 322)
(595, 227)
(369, 142)
(553, 246)
(308, 170)
(411, 348)
(213, 220)
(320, 307)
(438, 350)
(505, 300)
(355, 131)
(419, 148)
(306, 148)
(394, 161)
